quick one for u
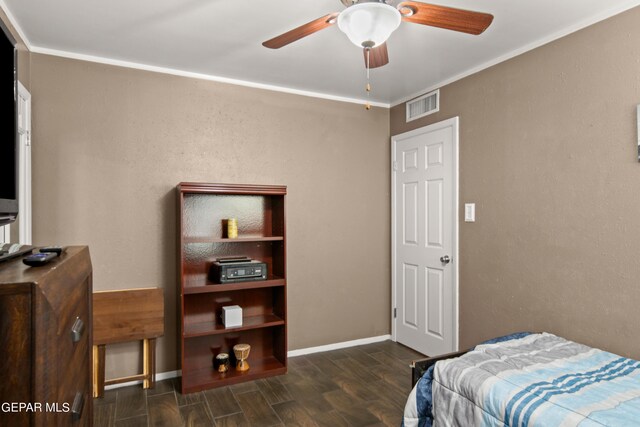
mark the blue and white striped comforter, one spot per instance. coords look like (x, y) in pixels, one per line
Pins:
(539, 380)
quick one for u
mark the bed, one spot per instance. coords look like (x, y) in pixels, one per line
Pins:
(525, 379)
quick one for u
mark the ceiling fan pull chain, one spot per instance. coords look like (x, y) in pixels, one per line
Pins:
(368, 86)
(368, 63)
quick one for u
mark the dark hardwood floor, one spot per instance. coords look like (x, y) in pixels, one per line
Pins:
(358, 386)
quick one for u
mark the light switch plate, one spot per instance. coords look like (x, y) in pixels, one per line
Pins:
(469, 212)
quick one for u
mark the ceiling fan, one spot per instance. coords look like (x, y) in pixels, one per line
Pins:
(369, 23)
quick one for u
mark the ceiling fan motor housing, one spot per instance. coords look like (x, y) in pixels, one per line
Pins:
(369, 23)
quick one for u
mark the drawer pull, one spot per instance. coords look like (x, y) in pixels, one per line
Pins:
(78, 405)
(77, 329)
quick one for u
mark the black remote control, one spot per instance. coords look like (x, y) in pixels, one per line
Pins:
(39, 259)
(58, 250)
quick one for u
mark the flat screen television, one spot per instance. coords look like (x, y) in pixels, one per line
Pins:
(8, 127)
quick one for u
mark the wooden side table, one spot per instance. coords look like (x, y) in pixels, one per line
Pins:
(123, 316)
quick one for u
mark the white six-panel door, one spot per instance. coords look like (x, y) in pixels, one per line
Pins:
(424, 247)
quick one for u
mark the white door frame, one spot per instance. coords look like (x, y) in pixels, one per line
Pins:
(454, 123)
(24, 180)
(5, 233)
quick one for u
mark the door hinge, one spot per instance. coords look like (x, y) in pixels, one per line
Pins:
(395, 312)
(395, 166)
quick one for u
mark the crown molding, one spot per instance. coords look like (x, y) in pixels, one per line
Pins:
(201, 76)
(164, 70)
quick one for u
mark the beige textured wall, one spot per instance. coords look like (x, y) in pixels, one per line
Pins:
(548, 154)
(110, 145)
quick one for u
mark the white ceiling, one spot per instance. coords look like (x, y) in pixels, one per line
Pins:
(222, 39)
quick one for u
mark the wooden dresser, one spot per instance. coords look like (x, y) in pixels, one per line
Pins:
(45, 341)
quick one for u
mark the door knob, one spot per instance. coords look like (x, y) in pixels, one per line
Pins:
(445, 259)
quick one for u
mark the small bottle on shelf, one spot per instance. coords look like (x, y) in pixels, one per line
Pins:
(232, 228)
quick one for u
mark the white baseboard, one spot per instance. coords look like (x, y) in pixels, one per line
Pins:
(293, 353)
(159, 377)
(337, 346)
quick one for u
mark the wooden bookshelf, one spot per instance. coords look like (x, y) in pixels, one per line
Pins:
(202, 213)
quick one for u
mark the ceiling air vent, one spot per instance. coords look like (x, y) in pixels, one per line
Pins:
(424, 105)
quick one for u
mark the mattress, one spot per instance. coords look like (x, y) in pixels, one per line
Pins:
(535, 380)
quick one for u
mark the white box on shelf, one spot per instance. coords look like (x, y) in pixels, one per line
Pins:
(232, 316)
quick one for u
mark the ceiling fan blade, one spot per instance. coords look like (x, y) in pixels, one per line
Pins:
(465, 21)
(301, 31)
(378, 56)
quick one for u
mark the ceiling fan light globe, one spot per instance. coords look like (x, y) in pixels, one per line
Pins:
(366, 23)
